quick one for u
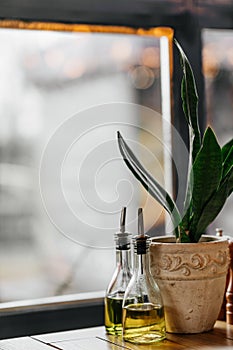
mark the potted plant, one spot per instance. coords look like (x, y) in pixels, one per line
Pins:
(191, 273)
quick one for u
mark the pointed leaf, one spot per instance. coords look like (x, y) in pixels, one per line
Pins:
(226, 149)
(207, 172)
(190, 102)
(190, 107)
(149, 183)
(215, 204)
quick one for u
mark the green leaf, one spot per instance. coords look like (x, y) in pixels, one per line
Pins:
(190, 107)
(226, 149)
(230, 182)
(207, 172)
(185, 239)
(215, 204)
(228, 163)
(190, 102)
(148, 182)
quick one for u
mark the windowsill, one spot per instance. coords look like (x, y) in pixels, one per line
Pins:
(51, 302)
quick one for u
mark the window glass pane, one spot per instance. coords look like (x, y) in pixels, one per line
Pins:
(62, 180)
(218, 74)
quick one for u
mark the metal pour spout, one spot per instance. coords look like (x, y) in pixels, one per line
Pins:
(140, 223)
(122, 220)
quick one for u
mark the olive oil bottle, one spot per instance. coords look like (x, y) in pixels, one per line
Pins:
(121, 277)
(143, 312)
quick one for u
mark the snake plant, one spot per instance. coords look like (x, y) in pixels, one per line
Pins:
(210, 173)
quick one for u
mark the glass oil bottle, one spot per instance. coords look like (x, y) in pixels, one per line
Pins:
(143, 312)
(121, 277)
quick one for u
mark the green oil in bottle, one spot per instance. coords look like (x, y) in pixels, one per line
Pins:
(143, 323)
(113, 314)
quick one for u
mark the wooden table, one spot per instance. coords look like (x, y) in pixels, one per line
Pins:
(95, 339)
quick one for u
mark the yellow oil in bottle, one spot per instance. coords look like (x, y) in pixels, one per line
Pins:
(113, 314)
(143, 323)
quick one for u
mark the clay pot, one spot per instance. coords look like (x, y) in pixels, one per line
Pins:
(192, 280)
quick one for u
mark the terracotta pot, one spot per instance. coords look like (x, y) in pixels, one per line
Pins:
(192, 279)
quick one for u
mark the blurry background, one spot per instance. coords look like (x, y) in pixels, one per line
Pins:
(45, 79)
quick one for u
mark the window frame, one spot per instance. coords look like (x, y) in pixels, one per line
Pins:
(187, 18)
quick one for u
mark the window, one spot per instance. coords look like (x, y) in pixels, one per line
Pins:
(63, 182)
(217, 69)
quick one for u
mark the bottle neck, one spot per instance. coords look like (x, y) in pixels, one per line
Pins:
(123, 258)
(141, 262)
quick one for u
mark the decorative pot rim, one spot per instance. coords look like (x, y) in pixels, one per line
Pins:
(208, 258)
(171, 239)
